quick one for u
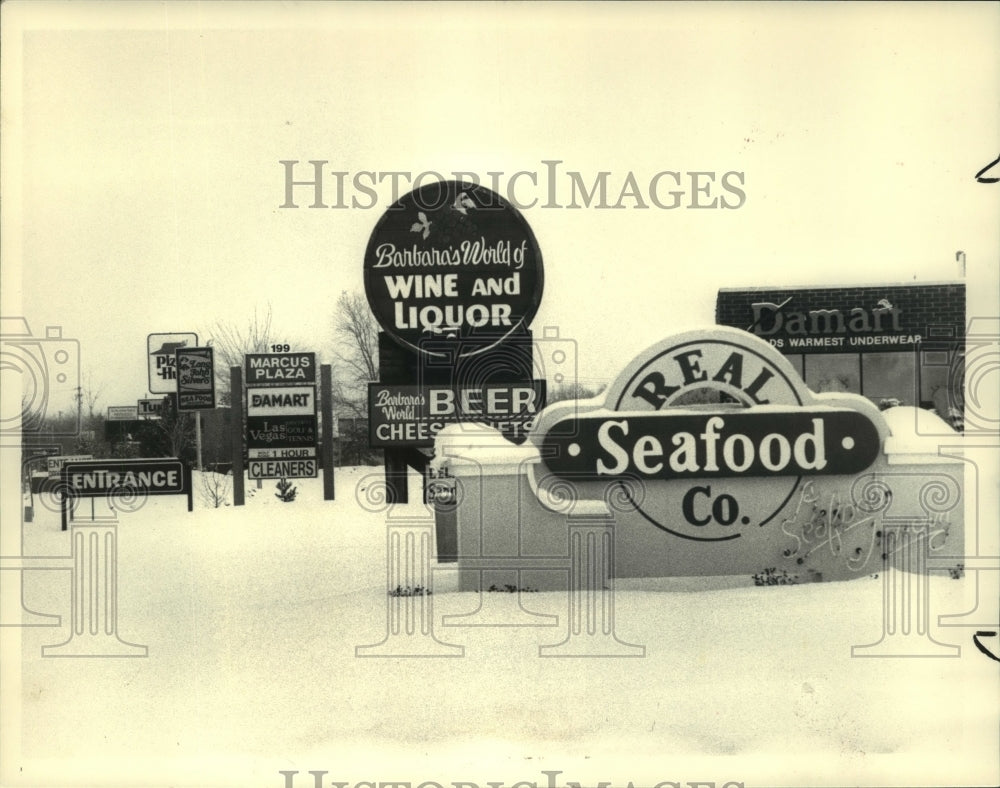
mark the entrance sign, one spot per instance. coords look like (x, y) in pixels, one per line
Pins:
(401, 415)
(161, 355)
(195, 378)
(279, 369)
(92, 478)
(129, 479)
(55, 464)
(706, 435)
(452, 259)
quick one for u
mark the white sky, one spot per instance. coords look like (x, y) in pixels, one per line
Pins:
(141, 143)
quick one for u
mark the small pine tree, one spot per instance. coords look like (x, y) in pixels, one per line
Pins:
(286, 492)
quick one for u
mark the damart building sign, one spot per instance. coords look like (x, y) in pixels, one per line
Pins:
(846, 319)
(452, 259)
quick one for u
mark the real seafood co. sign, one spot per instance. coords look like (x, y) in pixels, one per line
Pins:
(708, 434)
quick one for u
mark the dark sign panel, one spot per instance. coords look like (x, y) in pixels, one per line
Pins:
(280, 369)
(846, 319)
(195, 378)
(95, 478)
(413, 415)
(284, 432)
(705, 435)
(705, 446)
(452, 259)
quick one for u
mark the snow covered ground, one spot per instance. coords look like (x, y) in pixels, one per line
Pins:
(252, 615)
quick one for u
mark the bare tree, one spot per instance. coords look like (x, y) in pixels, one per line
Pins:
(216, 489)
(231, 343)
(90, 396)
(175, 427)
(356, 335)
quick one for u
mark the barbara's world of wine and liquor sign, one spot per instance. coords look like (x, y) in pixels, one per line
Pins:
(453, 275)
(452, 259)
(708, 435)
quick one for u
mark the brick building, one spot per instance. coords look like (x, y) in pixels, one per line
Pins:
(887, 342)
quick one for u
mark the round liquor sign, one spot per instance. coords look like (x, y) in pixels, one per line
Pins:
(453, 260)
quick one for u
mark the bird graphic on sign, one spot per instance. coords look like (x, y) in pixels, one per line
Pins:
(462, 203)
(423, 224)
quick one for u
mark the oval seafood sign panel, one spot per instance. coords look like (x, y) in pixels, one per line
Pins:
(705, 435)
(453, 259)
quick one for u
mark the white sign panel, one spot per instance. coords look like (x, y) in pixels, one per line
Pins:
(123, 412)
(282, 469)
(281, 401)
(281, 454)
(161, 357)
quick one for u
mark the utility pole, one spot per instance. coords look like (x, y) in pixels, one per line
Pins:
(79, 412)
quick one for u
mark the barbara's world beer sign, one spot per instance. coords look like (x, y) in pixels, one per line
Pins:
(707, 434)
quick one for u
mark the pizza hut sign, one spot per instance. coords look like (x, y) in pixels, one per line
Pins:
(707, 434)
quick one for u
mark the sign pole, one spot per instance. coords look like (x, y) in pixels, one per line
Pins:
(197, 435)
(236, 431)
(326, 397)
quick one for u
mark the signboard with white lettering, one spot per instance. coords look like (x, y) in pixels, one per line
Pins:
(282, 428)
(131, 479)
(708, 435)
(413, 415)
(872, 318)
(282, 446)
(452, 259)
(161, 356)
(122, 413)
(278, 369)
(286, 432)
(54, 464)
(195, 378)
(92, 478)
